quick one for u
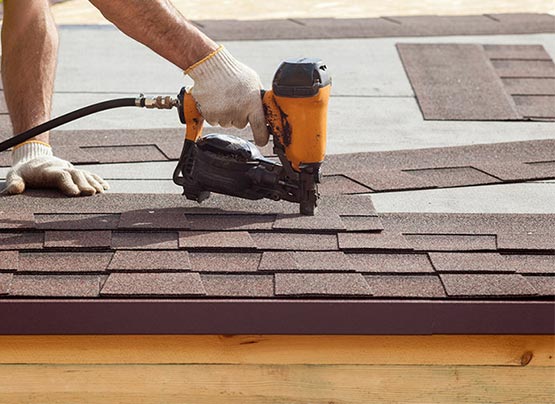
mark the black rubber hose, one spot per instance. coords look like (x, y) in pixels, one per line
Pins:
(71, 116)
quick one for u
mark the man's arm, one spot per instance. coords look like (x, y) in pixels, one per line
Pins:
(28, 62)
(29, 55)
(227, 91)
(160, 26)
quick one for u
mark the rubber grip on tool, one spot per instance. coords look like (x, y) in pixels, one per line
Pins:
(193, 118)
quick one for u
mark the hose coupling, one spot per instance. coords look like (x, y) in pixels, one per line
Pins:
(160, 102)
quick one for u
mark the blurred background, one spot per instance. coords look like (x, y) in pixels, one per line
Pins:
(81, 11)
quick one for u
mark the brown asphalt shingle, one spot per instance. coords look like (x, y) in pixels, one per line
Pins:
(77, 239)
(216, 239)
(321, 284)
(23, 220)
(390, 180)
(230, 222)
(391, 263)
(295, 241)
(9, 260)
(532, 264)
(145, 241)
(362, 223)
(454, 176)
(76, 221)
(64, 261)
(470, 262)
(532, 52)
(157, 260)
(19, 241)
(385, 240)
(524, 68)
(153, 284)
(224, 262)
(445, 78)
(411, 286)
(465, 285)
(5, 282)
(451, 242)
(55, 285)
(544, 285)
(535, 106)
(340, 184)
(278, 261)
(526, 241)
(154, 219)
(529, 86)
(238, 285)
(307, 223)
(131, 153)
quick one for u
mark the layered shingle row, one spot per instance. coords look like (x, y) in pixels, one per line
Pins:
(210, 253)
(343, 174)
(481, 82)
(321, 28)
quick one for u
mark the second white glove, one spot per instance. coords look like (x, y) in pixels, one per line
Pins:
(228, 93)
(34, 166)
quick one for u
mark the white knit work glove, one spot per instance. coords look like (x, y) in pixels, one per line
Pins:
(34, 166)
(228, 93)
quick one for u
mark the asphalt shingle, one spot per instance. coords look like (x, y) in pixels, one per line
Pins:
(153, 284)
(470, 262)
(321, 284)
(224, 261)
(238, 285)
(139, 260)
(465, 285)
(64, 261)
(445, 78)
(145, 241)
(55, 285)
(391, 263)
(78, 239)
(9, 260)
(216, 239)
(20, 241)
(410, 286)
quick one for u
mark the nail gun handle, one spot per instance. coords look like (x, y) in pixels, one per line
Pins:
(190, 116)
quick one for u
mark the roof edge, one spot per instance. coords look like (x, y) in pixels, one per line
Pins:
(324, 317)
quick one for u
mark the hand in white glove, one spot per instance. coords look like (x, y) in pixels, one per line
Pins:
(34, 166)
(228, 93)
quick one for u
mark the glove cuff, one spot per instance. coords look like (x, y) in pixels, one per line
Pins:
(30, 150)
(217, 66)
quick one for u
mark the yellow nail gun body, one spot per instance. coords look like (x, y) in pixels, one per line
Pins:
(296, 113)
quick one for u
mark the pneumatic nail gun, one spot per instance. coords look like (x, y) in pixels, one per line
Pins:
(296, 114)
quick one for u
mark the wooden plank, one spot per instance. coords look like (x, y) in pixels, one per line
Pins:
(250, 384)
(513, 350)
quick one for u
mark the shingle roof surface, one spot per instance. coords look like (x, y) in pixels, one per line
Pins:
(303, 255)
(344, 174)
(134, 262)
(473, 82)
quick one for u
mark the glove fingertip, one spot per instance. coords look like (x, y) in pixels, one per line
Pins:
(71, 192)
(70, 189)
(15, 187)
(259, 129)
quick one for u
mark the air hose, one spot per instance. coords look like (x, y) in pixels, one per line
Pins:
(159, 102)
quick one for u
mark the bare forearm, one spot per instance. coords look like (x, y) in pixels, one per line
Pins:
(28, 62)
(159, 26)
